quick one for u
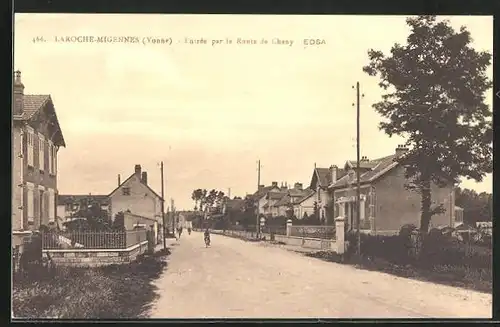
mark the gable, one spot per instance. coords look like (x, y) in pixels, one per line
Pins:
(40, 113)
(136, 186)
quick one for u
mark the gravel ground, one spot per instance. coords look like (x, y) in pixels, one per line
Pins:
(238, 279)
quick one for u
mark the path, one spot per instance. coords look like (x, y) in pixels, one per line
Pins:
(237, 279)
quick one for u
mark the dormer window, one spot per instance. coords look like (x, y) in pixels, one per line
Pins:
(126, 191)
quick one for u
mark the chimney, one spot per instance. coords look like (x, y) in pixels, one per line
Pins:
(18, 96)
(298, 186)
(119, 181)
(400, 150)
(138, 170)
(364, 159)
(144, 178)
(274, 184)
(333, 173)
(261, 187)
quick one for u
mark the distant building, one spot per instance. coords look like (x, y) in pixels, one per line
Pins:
(36, 139)
(136, 196)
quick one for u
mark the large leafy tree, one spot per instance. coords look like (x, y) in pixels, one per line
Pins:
(434, 97)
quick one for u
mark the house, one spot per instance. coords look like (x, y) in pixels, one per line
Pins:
(69, 205)
(36, 139)
(136, 196)
(305, 205)
(385, 203)
(320, 180)
(259, 197)
(272, 198)
(296, 199)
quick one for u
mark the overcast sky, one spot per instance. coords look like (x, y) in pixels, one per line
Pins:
(210, 112)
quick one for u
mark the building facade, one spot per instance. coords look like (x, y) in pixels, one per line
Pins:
(136, 196)
(36, 140)
(386, 205)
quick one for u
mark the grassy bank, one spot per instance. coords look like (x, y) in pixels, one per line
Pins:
(478, 279)
(118, 291)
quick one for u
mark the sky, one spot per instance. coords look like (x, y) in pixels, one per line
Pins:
(209, 112)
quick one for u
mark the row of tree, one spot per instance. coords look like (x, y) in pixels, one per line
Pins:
(204, 199)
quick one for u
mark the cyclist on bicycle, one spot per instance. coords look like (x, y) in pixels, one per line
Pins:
(207, 236)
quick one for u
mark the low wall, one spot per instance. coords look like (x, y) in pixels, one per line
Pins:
(95, 257)
(305, 242)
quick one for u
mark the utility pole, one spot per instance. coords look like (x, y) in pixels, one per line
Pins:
(358, 188)
(163, 206)
(257, 226)
(229, 193)
(172, 209)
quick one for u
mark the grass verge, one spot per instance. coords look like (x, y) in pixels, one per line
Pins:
(117, 291)
(477, 279)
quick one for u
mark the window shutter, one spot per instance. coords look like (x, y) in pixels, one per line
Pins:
(362, 209)
(51, 205)
(31, 204)
(41, 152)
(50, 157)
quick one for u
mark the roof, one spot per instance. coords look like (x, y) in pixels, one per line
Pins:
(324, 176)
(68, 198)
(285, 200)
(378, 167)
(119, 186)
(262, 192)
(307, 194)
(32, 104)
(293, 192)
(275, 195)
(362, 164)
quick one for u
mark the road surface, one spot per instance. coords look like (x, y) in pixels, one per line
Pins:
(237, 279)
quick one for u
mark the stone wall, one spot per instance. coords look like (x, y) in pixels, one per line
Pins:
(95, 257)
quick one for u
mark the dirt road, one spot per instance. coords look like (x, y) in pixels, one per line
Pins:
(237, 279)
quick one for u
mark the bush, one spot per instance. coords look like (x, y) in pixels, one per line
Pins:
(120, 291)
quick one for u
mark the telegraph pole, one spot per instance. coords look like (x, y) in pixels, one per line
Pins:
(172, 209)
(257, 226)
(163, 206)
(358, 188)
(229, 193)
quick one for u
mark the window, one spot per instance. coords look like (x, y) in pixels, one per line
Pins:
(126, 191)
(319, 194)
(41, 152)
(30, 146)
(30, 201)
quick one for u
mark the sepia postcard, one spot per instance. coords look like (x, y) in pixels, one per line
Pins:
(251, 166)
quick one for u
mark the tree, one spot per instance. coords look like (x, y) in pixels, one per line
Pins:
(434, 98)
(94, 218)
(197, 196)
(119, 221)
(477, 207)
